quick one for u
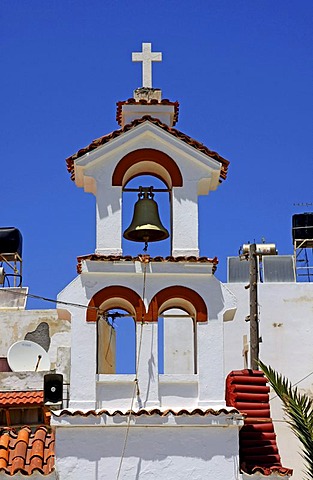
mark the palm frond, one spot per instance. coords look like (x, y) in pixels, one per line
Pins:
(299, 410)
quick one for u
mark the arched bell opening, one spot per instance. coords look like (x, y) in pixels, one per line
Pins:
(147, 161)
(180, 297)
(115, 309)
(158, 213)
(177, 342)
(116, 340)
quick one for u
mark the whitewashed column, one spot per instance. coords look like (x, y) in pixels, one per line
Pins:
(185, 220)
(109, 218)
(147, 361)
(83, 362)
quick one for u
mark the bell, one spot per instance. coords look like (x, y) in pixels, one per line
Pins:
(146, 225)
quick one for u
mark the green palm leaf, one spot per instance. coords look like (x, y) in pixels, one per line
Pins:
(299, 410)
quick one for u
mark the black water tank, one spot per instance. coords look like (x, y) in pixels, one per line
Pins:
(11, 240)
(302, 226)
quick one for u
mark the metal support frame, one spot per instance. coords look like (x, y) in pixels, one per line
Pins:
(303, 265)
(15, 263)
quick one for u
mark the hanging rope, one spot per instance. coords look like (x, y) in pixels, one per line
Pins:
(136, 391)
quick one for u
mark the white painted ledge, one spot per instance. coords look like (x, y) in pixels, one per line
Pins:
(178, 378)
(116, 378)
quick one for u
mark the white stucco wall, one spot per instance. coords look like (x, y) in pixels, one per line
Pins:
(86, 385)
(157, 452)
(34, 476)
(286, 328)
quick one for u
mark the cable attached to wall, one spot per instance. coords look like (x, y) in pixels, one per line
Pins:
(51, 300)
(136, 391)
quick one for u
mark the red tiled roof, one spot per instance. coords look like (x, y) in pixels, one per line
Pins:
(10, 399)
(143, 411)
(247, 391)
(112, 258)
(27, 452)
(132, 101)
(146, 118)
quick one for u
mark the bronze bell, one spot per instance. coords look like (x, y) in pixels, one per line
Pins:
(146, 225)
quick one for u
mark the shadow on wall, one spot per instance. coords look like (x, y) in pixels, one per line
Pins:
(149, 444)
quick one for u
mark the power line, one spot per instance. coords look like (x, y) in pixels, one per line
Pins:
(51, 300)
(294, 384)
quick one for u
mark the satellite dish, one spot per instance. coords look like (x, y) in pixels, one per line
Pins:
(27, 356)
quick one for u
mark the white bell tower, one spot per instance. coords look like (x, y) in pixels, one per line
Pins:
(179, 290)
(147, 144)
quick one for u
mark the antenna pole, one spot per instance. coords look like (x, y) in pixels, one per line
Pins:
(254, 317)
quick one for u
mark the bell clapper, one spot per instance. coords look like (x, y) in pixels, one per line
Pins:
(145, 239)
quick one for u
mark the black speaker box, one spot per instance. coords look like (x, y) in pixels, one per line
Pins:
(53, 388)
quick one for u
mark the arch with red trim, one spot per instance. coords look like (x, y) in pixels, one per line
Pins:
(116, 296)
(179, 297)
(147, 161)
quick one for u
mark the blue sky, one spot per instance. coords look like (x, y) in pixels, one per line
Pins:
(242, 72)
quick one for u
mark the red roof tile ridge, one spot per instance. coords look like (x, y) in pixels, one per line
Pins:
(267, 471)
(153, 101)
(138, 121)
(257, 438)
(169, 258)
(148, 412)
(130, 258)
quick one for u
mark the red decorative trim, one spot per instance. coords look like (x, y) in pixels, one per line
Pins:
(150, 155)
(116, 291)
(177, 292)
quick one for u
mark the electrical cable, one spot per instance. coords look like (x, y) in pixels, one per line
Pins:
(294, 384)
(136, 386)
(136, 391)
(51, 300)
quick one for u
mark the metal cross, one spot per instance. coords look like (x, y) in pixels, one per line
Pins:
(146, 57)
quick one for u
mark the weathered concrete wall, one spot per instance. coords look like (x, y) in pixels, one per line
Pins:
(286, 328)
(17, 381)
(50, 328)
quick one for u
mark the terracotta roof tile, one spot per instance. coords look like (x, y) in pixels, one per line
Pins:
(128, 258)
(27, 452)
(247, 391)
(143, 411)
(11, 398)
(146, 118)
(132, 101)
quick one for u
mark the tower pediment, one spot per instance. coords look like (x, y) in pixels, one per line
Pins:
(208, 167)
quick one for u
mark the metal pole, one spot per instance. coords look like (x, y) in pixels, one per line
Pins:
(254, 317)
